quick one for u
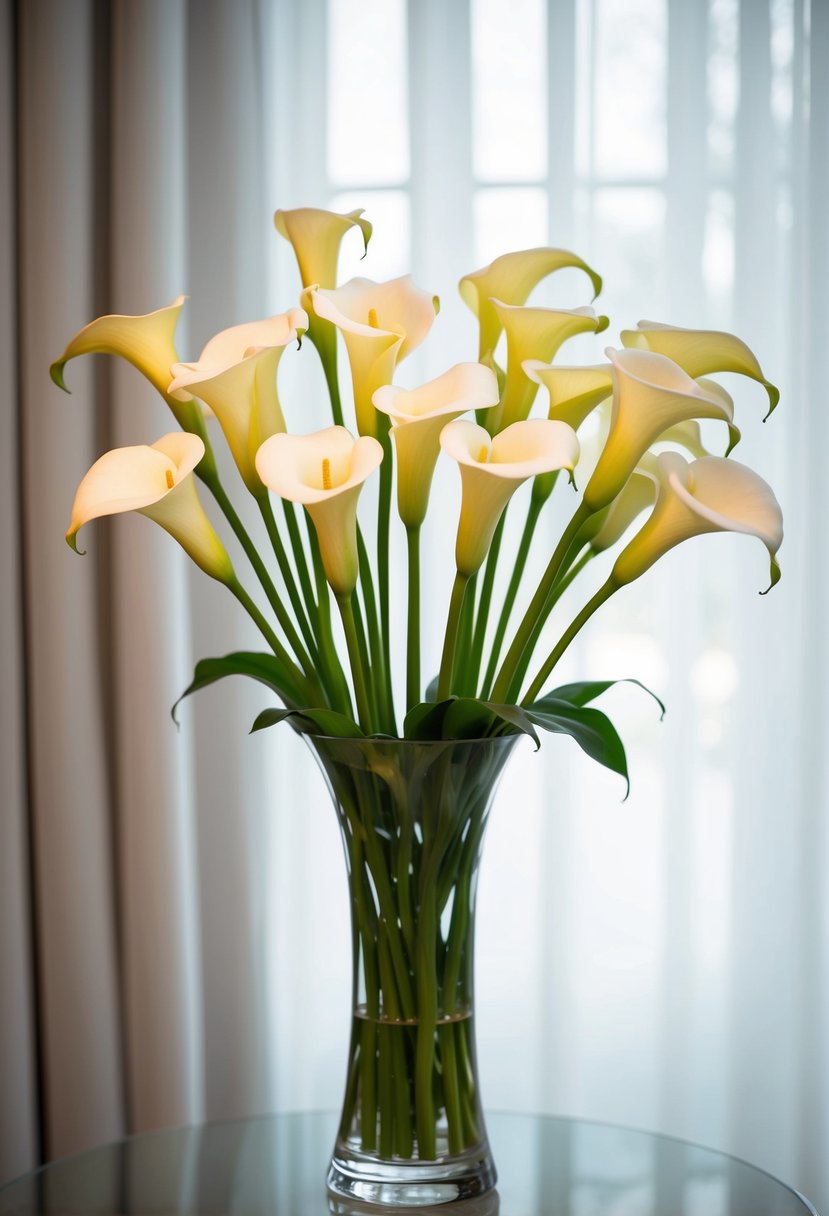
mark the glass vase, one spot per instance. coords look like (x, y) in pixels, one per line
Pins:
(412, 817)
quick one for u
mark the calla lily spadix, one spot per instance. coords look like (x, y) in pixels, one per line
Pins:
(146, 341)
(651, 394)
(510, 279)
(316, 236)
(381, 324)
(236, 376)
(418, 416)
(700, 352)
(325, 472)
(539, 333)
(157, 481)
(708, 495)
(492, 469)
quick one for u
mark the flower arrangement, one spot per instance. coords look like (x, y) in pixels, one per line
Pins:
(412, 789)
(649, 396)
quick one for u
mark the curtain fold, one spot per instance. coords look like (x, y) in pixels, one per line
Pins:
(169, 898)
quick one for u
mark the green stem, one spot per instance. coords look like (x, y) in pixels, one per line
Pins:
(328, 651)
(533, 513)
(265, 629)
(525, 629)
(365, 659)
(451, 635)
(355, 659)
(287, 573)
(324, 336)
(487, 585)
(413, 624)
(383, 524)
(375, 641)
(460, 666)
(300, 560)
(427, 1010)
(604, 593)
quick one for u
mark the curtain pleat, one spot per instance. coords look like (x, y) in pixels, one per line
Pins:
(70, 787)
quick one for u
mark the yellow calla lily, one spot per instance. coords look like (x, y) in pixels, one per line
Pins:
(700, 351)
(381, 324)
(235, 375)
(419, 415)
(534, 333)
(651, 394)
(492, 469)
(316, 236)
(324, 472)
(574, 391)
(707, 495)
(157, 481)
(147, 342)
(510, 278)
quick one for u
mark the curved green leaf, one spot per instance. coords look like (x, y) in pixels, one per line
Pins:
(266, 668)
(310, 722)
(585, 691)
(592, 730)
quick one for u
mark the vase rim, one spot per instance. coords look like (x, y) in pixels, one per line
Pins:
(393, 739)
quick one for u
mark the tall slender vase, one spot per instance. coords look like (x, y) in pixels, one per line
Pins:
(412, 817)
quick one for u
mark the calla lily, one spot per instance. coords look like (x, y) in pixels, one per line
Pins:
(707, 495)
(651, 394)
(700, 351)
(535, 332)
(419, 415)
(574, 391)
(381, 324)
(493, 469)
(316, 236)
(511, 278)
(147, 342)
(236, 376)
(324, 472)
(157, 481)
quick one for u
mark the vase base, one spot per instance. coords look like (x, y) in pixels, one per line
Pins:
(356, 1179)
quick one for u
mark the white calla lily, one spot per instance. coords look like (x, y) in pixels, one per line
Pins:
(604, 529)
(707, 495)
(534, 333)
(325, 472)
(700, 351)
(381, 324)
(316, 236)
(235, 375)
(651, 394)
(146, 341)
(418, 416)
(492, 469)
(510, 278)
(157, 481)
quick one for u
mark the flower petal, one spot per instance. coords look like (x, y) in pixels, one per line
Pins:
(574, 391)
(511, 278)
(651, 394)
(700, 351)
(709, 495)
(316, 236)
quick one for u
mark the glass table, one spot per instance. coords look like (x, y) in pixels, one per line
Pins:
(276, 1166)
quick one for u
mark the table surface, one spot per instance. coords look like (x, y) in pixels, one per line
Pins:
(276, 1166)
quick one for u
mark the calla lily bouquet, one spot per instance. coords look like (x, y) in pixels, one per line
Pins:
(324, 600)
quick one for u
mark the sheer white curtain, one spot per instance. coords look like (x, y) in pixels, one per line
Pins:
(173, 905)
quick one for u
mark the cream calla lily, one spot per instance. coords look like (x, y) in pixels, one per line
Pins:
(418, 416)
(574, 391)
(492, 469)
(511, 278)
(236, 376)
(708, 495)
(157, 481)
(700, 351)
(316, 236)
(651, 394)
(147, 342)
(539, 333)
(381, 324)
(324, 472)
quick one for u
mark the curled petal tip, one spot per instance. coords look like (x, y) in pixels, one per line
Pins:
(72, 542)
(775, 577)
(734, 437)
(596, 280)
(774, 397)
(571, 477)
(602, 322)
(56, 374)
(436, 304)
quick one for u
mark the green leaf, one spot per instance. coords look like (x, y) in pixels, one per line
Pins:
(465, 718)
(425, 721)
(586, 691)
(592, 730)
(266, 668)
(432, 689)
(310, 722)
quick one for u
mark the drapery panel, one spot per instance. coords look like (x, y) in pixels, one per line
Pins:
(173, 944)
